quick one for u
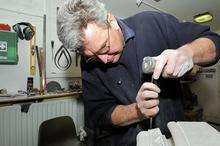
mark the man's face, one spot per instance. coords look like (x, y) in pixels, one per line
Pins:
(103, 44)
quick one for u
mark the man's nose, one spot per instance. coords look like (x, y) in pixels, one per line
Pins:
(103, 58)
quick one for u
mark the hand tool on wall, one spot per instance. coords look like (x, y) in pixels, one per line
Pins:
(40, 59)
(52, 50)
(62, 58)
(76, 58)
(32, 54)
(43, 68)
(39, 66)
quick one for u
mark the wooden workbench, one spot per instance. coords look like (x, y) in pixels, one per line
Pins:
(19, 99)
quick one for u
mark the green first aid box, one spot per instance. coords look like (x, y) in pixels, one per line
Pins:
(8, 47)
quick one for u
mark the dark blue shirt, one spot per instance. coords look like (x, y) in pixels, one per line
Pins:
(107, 85)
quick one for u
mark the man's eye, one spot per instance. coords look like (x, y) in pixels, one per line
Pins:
(103, 47)
(103, 50)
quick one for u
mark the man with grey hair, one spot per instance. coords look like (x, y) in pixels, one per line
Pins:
(118, 98)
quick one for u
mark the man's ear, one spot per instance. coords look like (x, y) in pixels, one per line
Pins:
(112, 21)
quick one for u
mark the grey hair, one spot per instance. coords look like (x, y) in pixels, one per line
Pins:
(73, 16)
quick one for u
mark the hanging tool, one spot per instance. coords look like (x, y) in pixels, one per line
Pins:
(32, 54)
(76, 58)
(52, 50)
(41, 67)
(62, 58)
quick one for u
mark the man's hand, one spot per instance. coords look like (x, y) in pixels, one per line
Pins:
(173, 63)
(147, 99)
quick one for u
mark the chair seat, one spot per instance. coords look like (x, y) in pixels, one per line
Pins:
(59, 131)
(66, 142)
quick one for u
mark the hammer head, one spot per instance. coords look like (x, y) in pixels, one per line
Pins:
(148, 65)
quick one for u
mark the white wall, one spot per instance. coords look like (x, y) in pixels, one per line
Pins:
(123, 9)
(14, 77)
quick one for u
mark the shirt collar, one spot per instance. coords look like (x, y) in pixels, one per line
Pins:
(128, 33)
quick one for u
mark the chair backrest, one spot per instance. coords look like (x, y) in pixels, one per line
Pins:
(57, 130)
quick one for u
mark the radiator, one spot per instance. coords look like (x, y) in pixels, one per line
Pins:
(21, 129)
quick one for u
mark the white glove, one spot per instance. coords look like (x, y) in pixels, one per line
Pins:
(173, 63)
(147, 99)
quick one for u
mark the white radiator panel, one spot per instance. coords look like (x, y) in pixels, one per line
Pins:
(21, 129)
